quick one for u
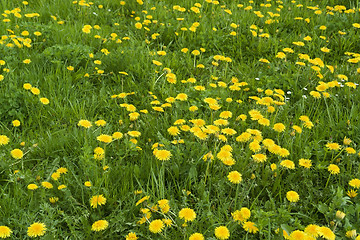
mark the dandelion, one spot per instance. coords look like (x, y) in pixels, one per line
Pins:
(333, 146)
(292, 196)
(163, 155)
(312, 230)
(44, 101)
(104, 138)
(142, 200)
(196, 236)
(17, 153)
(97, 200)
(87, 184)
(156, 226)
(32, 186)
(352, 193)
(259, 158)
(5, 232)
(250, 227)
(35, 91)
(36, 229)
(241, 215)
(16, 123)
(288, 164)
(134, 133)
(4, 140)
(47, 185)
(117, 135)
(333, 169)
(84, 123)
(279, 127)
(326, 233)
(340, 215)
(355, 183)
(182, 97)
(131, 236)
(187, 214)
(99, 225)
(55, 176)
(222, 233)
(173, 131)
(27, 61)
(100, 123)
(306, 163)
(234, 177)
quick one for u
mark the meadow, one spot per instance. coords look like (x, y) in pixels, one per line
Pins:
(192, 120)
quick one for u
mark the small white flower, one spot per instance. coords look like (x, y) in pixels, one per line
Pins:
(305, 88)
(257, 79)
(304, 96)
(288, 92)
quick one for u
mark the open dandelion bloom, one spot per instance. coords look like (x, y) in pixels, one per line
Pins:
(17, 153)
(292, 196)
(196, 236)
(4, 140)
(97, 200)
(234, 177)
(355, 183)
(156, 226)
(36, 229)
(104, 138)
(333, 169)
(131, 236)
(5, 232)
(326, 233)
(222, 233)
(47, 185)
(32, 186)
(162, 155)
(187, 214)
(99, 225)
(84, 123)
(250, 227)
(241, 215)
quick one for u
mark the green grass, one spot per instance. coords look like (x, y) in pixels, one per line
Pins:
(50, 137)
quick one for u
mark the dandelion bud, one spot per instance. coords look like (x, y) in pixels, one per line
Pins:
(340, 215)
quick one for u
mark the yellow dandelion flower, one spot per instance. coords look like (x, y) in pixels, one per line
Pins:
(84, 123)
(306, 163)
(250, 227)
(292, 196)
(333, 169)
(5, 232)
(288, 164)
(241, 215)
(104, 138)
(326, 233)
(173, 131)
(196, 236)
(187, 214)
(97, 200)
(99, 225)
(100, 123)
(222, 232)
(234, 177)
(36, 229)
(17, 153)
(162, 155)
(4, 140)
(32, 186)
(47, 185)
(156, 226)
